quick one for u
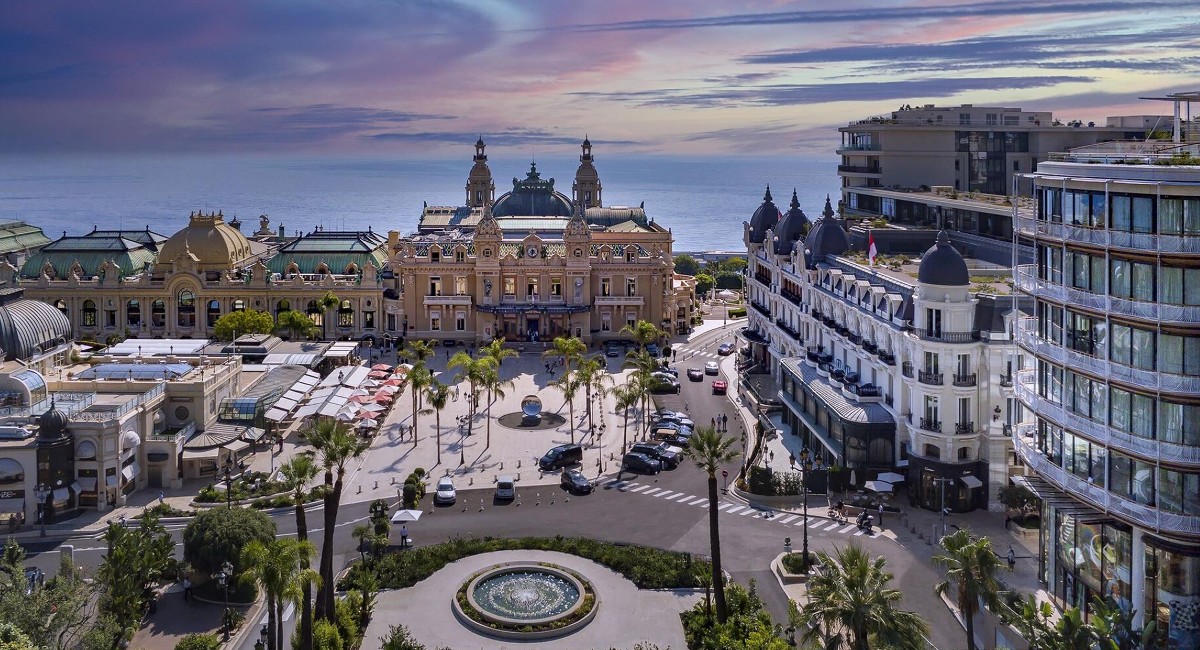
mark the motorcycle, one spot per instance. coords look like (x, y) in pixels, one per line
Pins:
(864, 524)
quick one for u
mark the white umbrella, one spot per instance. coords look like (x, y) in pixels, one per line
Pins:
(368, 424)
(372, 408)
(890, 477)
(403, 516)
(878, 486)
(345, 415)
(853, 478)
(391, 390)
(369, 383)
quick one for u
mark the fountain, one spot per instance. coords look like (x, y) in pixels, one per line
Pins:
(527, 601)
(531, 411)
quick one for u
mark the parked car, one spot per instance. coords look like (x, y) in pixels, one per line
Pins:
(711, 368)
(695, 374)
(642, 463)
(720, 386)
(653, 349)
(506, 488)
(561, 456)
(667, 370)
(612, 350)
(726, 349)
(446, 494)
(675, 418)
(682, 429)
(674, 439)
(660, 452)
(575, 482)
(664, 384)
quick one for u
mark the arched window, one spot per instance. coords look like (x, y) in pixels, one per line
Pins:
(345, 316)
(292, 270)
(88, 313)
(158, 313)
(351, 269)
(280, 307)
(315, 312)
(86, 450)
(213, 312)
(187, 309)
(323, 269)
(61, 305)
(11, 471)
(133, 313)
(238, 305)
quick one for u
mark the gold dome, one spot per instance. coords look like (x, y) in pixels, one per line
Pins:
(209, 240)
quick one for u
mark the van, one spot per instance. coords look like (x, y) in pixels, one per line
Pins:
(560, 457)
(506, 489)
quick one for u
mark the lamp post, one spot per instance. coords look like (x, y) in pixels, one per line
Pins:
(41, 492)
(223, 578)
(261, 644)
(229, 481)
(805, 464)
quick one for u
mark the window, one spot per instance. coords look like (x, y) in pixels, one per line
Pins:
(510, 285)
(133, 313)
(933, 322)
(435, 285)
(556, 287)
(238, 305)
(281, 307)
(460, 257)
(460, 285)
(368, 320)
(605, 323)
(460, 322)
(631, 319)
(531, 288)
(630, 286)
(212, 313)
(932, 412)
(89, 313)
(1179, 354)
(605, 287)
(1016, 165)
(158, 313)
(110, 318)
(315, 313)
(345, 315)
(187, 309)
(435, 255)
(965, 416)
(435, 321)
(931, 362)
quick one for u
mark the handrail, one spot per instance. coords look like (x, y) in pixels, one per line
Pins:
(1028, 281)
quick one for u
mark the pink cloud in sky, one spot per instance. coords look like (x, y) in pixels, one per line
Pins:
(673, 77)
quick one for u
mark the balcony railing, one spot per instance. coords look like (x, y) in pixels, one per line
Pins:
(963, 380)
(860, 169)
(931, 425)
(1140, 514)
(794, 298)
(1031, 226)
(1006, 381)
(931, 378)
(964, 428)
(947, 337)
(1029, 282)
(1026, 391)
(762, 309)
(907, 369)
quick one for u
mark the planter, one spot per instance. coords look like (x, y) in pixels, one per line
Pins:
(787, 577)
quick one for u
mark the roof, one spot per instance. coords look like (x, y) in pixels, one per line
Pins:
(943, 265)
(827, 237)
(833, 399)
(337, 251)
(275, 382)
(156, 347)
(18, 236)
(628, 226)
(147, 237)
(207, 238)
(791, 228)
(764, 219)
(90, 252)
(532, 196)
(615, 214)
(29, 326)
(135, 371)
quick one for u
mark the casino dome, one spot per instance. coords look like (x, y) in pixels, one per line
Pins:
(791, 228)
(943, 265)
(765, 218)
(214, 243)
(533, 197)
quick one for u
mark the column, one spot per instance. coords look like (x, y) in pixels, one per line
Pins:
(1137, 576)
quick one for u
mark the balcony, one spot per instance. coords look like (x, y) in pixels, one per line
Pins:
(930, 378)
(1006, 381)
(764, 280)
(1142, 515)
(907, 369)
(964, 380)
(173, 435)
(889, 359)
(437, 299)
(794, 298)
(859, 169)
(948, 337)
(964, 428)
(762, 309)
(1031, 226)
(931, 425)
(869, 347)
(620, 300)
(1027, 280)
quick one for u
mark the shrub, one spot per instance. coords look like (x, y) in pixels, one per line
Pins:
(739, 312)
(326, 636)
(219, 534)
(346, 613)
(399, 638)
(748, 626)
(794, 563)
(199, 642)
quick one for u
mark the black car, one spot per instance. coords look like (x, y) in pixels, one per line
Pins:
(659, 452)
(612, 350)
(725, 349)
(575, 482)
(561, 456)
(641, 463)
(676, 439)
(664, 384)
(667, 370)
(695, 374)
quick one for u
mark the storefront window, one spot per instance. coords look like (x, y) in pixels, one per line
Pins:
(1173, 594)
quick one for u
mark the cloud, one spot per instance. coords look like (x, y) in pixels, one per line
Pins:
(503, 138)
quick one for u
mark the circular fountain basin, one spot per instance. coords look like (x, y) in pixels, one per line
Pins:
(529, 596)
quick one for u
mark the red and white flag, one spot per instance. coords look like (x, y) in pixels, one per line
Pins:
(871, 250)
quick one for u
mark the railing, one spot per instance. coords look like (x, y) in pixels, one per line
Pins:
(963, 380)
(860, 169)
(1105, 501)
(437, 299)
(619, 300)
(113, 414)
(1031, 226)
(1028, 281)
(794, 298)
(964, 428)
(865, 390)
(765, 281)
(931, 378)
(762, 309)
(931, 425)
(948, 337)
(171, 436)
(1098, 432)
(889, 359)
(1006, 381)
(907, 369)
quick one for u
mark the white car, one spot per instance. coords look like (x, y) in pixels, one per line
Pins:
(445, 495)
(711, 368)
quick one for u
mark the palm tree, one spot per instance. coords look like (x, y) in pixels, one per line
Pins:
(568, 384)
(495, 386)
(418, 378)
(280, 569)
(473, 371)
(595, 381)
(437, 393)
(971, 565)
(297, 324)
(643, 332)
(418, 350)
(568, 348)
(643, 364)
(327, 302)
(337, 447)
(297, 473)
(627, 396)
(496, 351)
(851, 602)
(711, 451)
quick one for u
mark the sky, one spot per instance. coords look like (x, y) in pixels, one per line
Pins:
(423, 77)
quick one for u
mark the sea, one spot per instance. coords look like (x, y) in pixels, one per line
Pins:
(702, 200)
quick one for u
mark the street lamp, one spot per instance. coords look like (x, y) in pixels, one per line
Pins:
(262, 638)
(805, 464)
(42, 492)
(224, 576)
(229, 481)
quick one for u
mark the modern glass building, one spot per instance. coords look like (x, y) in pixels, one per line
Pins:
(1113, 377)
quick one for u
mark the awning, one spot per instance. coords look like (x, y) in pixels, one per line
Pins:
(15, 504)
(307, 410)
(236, 446)
(130, 439)
(130, 471)
(199, 454)
(252, 434)
(76, 488)
(971, 481)
(86, 483)
(276, 414)
(61, 494)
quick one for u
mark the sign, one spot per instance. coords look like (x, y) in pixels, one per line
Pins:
(12, 494)
(724, 473)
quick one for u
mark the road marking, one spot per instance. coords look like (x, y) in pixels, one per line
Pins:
(834, 526)
(733, 509)
(847, 529)
(653, 492)
(858, 533)
(748, 511)
(814, 523)
(638, 488)
(681, 498)
(668, 492)
(695, 500)
(788, 518)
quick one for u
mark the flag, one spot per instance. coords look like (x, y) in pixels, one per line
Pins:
(872, 252)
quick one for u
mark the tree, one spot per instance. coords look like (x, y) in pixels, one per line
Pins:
(568, 348)
(686, 264)
(279, 569)
(12, 638)
(568, 385)
(733, 265)
(473, 371)
(137, 559)
(704, 283)
(971, 565)
(336, 446)
(1115, 629)
(1020, 499)
(851, 601)
(643, 333)
(417, 379)
(437, 394)
(495, 385)
(644, 365)
(218, 535)
(326, 303)
(199, 642)
(497, 352)
(627, 396)
(711, 452)
(296, 474)
(297, 324)
(53, 614)
(418, 350)
(595, 381)
(237, 323)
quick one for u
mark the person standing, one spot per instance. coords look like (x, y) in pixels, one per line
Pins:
(187, 589)
(403, 536)
(881, 515)
(1012, 557)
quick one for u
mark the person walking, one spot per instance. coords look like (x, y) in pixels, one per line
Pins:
(1012, 557)
(881, 515)
(187, 589)
(403, 536)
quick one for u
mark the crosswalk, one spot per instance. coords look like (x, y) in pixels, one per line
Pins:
(687, 354)
(736, 509)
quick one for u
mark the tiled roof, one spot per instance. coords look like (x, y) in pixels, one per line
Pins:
(91, 253)
(19, 236)
(147, 237)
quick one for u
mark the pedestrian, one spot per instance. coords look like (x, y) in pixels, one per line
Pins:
(725, 420)
(403, 536)
(772, 457)
(160, 496)
(714, 423)
(881, 515)
(674, 355)
(1006, 520)
(187, 589)
(1012, 557)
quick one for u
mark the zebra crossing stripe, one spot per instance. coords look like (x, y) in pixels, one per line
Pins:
(834, 526)
(811, 524)
(668, 492)
(681, 498)
(724, 506)
(816, 523)
(638, 488)
(847, 529)
(734, 509)
(858, 533)
(788, 518)
(698, 500)
(749, 511)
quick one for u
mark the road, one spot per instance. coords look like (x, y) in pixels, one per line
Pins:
(668, 511)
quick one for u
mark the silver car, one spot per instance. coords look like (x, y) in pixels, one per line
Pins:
(446, 494)
(711, 368)
(506, 488)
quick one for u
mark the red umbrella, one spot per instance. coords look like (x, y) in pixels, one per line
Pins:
(360, 399)
(394, 382)
(382, 366)
(377, 374)
(382, 398)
